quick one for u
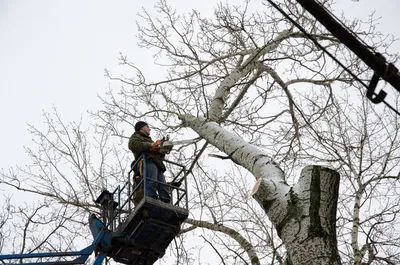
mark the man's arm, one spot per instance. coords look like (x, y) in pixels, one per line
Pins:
(138, 146)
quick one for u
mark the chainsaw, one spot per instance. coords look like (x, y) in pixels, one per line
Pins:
(166, 145)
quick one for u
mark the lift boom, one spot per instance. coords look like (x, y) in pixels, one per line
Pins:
(130, 235)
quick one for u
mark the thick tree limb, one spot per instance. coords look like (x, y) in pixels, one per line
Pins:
(222, 92)
(250, 157)
(243, 242)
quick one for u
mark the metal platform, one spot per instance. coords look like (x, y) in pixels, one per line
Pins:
(142, 229)
(147, 231)
(134, 235)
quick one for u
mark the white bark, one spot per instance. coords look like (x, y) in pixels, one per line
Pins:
(246, 245)
(222, 92)
(309, 231)
(272, 182)
(358, 255)
(304, 215)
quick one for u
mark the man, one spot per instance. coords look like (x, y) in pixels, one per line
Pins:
(140, 142)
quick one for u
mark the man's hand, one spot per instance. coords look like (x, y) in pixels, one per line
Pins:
(155, 146)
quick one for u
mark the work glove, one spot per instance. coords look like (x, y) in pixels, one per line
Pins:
(155, 146)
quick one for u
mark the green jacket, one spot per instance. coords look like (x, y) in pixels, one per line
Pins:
(140, 143)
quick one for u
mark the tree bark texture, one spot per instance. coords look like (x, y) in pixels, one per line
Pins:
(309, 229)
(304, 215)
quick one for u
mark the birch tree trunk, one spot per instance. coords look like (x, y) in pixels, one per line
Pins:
(304, 215)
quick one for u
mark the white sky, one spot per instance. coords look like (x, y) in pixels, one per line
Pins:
(54, 52)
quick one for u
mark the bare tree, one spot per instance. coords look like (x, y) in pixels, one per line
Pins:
(67, 173)
(258, 90)
(361, 142)
(245, 80)
(5, 217)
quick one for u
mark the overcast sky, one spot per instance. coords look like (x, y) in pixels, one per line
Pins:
(54, 53)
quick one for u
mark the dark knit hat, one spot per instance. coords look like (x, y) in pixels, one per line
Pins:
(139, 125)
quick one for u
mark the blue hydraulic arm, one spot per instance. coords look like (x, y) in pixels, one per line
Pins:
(83, 255)
(141, 239)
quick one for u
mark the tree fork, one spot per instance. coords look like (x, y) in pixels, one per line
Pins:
(318, 188)
(309, 227)
(304, 215)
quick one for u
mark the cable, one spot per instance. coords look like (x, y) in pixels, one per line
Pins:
(326, 51)
(345, 26)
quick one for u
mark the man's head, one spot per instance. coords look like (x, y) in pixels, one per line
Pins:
(143, 127)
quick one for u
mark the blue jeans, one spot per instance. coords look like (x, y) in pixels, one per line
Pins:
(153, 173)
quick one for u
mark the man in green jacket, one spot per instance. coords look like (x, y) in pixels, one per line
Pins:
(140, 142)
